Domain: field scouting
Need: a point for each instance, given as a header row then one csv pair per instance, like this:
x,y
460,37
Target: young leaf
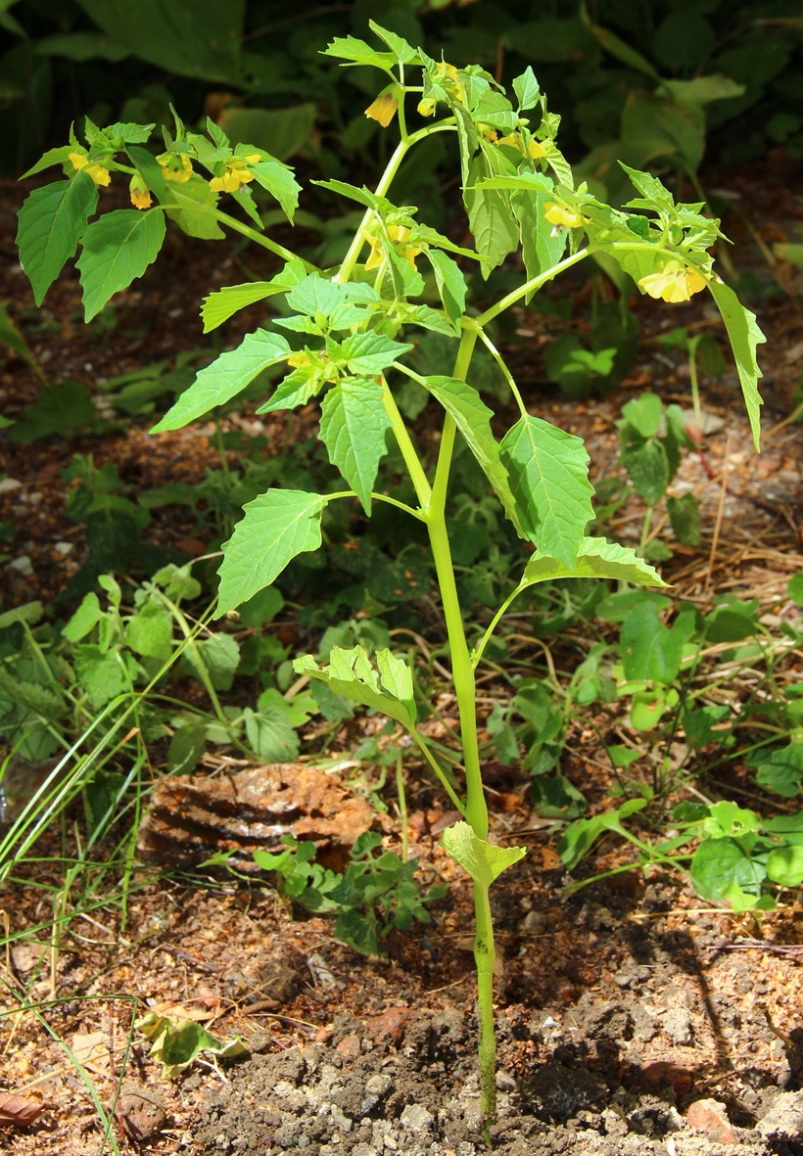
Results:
x,y
116,249
350,673
277,526
548,471
596,558
353,425
484,861
176,1043
744,335
526,88
51,222
371,352
224,378
717,864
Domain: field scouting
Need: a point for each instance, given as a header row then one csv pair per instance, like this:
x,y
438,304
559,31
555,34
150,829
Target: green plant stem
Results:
x,y
408,451
484,959
531,286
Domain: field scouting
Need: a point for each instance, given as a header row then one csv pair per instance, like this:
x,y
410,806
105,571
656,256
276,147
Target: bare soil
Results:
x,y
633,1017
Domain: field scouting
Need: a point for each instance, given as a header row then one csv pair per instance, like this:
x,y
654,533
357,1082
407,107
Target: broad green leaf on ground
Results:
x,y
651,650
548,471
484,861
492,224
116,249
386,687
224,378
596,558
271,733
451,285
648,469
175,1043
353,425
473,418
718,864
780,770
150,631
785,865
276,527
744,335
223,304
51,222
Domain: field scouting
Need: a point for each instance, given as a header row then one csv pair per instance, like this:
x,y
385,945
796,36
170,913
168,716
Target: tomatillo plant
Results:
x,y
350,333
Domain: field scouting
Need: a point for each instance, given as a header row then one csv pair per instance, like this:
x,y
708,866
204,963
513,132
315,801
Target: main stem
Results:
x,y
465,692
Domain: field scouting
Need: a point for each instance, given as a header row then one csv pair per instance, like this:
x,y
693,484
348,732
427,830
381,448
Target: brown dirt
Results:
x,y
633,1018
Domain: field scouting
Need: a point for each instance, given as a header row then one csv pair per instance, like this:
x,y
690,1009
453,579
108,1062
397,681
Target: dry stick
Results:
x,y
718,523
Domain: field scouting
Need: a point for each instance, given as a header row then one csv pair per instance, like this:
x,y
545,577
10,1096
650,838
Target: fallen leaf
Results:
x,y
18,1111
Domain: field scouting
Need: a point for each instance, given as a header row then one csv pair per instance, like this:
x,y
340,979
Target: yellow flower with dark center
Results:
x,y
398,234
383,109
561,215
236,175
99,173
176,167
674,283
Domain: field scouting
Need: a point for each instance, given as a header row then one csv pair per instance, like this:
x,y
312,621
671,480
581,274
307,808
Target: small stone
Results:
x,y
23,565
678,1025
416,1118
389,1026
711,1118
349,1047
784,1120
9,484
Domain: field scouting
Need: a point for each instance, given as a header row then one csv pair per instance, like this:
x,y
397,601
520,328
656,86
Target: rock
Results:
x,y
711,1117
784,1120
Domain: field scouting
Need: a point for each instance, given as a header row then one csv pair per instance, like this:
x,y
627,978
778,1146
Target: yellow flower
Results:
x,y
139,193
236,174
426,107
99,173
560,215
383,109
398,234
176,167
674,283
535,150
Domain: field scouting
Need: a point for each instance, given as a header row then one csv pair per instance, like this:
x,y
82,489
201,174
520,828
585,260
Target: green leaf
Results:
x,y
271,733
490,217
200,40
451,284
548,471
116,249
30,612
473,418
542,246
387,688
150,632
189,204
596,558
785,866
277,526
371,352
651,650
224,303
186,747
684,517
356,51
484,861
717,864
526,88
220,656
353,425
51,222
52,157
644,414
224,378
647,468
744,335
579,837
280,131
780,770
102,675
279,181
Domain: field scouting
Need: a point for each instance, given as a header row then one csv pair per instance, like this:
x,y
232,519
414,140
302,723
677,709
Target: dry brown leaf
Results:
x,y
17,1111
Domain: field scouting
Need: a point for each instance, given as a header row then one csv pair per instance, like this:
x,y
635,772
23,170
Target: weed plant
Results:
x,y
347,335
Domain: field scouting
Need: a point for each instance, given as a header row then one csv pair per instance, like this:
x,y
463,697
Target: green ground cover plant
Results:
x,y
347,336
